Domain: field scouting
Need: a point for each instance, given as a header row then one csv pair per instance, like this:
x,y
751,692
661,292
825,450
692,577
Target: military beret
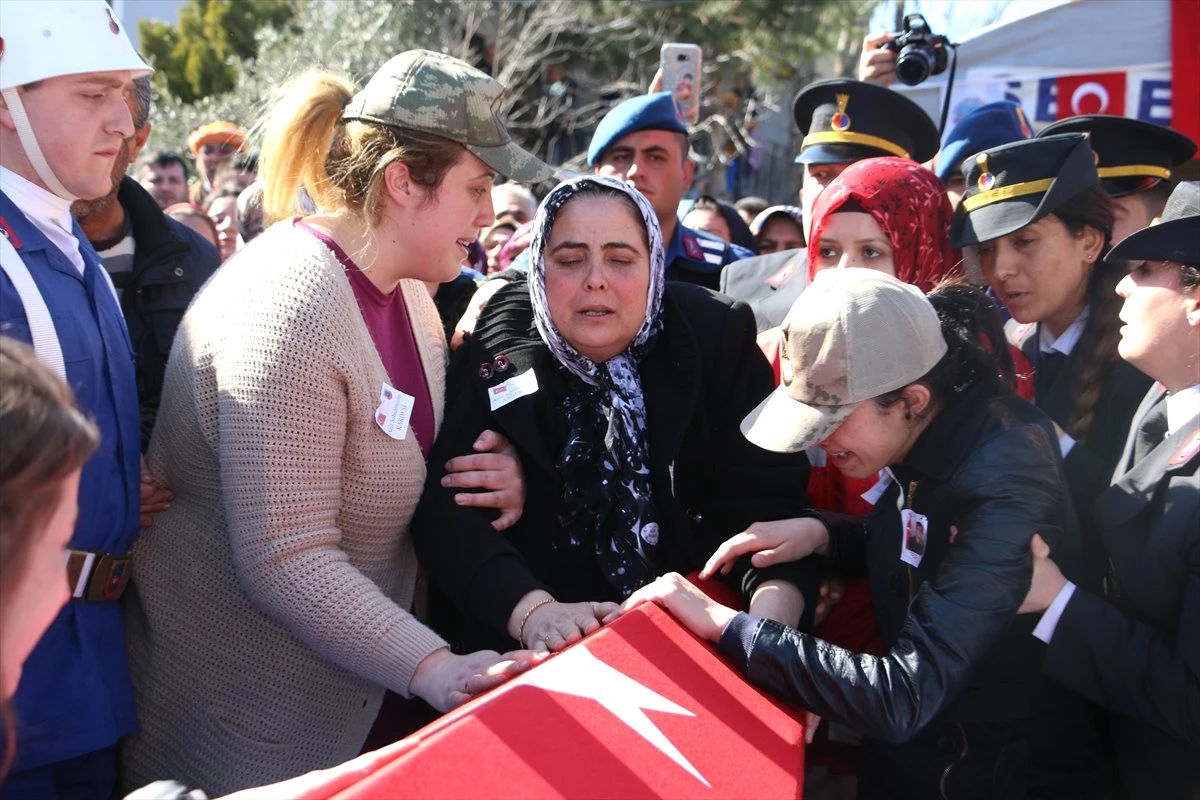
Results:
x,y
990,125
844,120
1131,155
1174,237
645,112
1014,185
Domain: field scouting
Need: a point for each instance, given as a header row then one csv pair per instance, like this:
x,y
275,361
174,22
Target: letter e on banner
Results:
x,y
1154,102
1095,93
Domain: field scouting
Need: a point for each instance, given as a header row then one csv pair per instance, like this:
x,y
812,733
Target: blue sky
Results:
x,y
957,18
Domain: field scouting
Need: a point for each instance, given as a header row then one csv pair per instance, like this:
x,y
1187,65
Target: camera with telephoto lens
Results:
x,y
921,52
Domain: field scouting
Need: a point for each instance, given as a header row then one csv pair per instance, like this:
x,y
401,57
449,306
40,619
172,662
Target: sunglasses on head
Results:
x,y
224,148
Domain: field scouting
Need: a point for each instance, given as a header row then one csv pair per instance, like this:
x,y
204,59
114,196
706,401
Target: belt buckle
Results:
x,y
109,578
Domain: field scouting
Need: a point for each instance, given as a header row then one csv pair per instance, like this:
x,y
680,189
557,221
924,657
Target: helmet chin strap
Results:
x,y
33,151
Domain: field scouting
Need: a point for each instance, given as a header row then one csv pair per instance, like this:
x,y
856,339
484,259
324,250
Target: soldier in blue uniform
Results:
x,y
65,71
644,141
842,121
990,125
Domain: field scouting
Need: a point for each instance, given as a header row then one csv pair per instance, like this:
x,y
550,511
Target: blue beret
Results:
x,y
988,126
644,112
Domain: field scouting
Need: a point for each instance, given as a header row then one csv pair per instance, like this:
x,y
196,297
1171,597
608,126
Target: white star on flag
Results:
x,y
577,672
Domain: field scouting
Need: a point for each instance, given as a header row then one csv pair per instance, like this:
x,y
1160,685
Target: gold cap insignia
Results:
x,y
841,120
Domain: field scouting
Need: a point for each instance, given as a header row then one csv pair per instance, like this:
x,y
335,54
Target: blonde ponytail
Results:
x,y
296,141
307,146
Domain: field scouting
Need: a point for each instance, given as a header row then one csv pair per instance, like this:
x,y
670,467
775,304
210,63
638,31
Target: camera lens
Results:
x,y
914,64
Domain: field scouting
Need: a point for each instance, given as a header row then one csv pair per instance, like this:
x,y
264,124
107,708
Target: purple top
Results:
x,y
387,319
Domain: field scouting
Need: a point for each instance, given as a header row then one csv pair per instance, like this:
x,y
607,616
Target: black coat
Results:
x,y
702,375
1138,650
958,704
1090,464
170,264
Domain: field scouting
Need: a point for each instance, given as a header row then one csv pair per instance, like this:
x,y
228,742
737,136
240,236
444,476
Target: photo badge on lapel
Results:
x,y
916,536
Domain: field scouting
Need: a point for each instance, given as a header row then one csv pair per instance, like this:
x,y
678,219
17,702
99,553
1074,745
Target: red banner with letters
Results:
x,y
1094,93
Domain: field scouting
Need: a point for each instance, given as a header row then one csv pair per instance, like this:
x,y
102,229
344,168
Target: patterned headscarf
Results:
x,y
910,205
607,497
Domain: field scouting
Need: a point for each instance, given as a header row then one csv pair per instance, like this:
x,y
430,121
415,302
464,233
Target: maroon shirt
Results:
x,y
387,319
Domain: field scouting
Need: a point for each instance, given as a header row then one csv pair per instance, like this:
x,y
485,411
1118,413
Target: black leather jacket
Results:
x,y
957,706
170,264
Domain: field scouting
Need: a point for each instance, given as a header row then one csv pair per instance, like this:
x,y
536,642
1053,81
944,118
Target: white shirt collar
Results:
x,y
47,211
34,201
1182,406
1065,343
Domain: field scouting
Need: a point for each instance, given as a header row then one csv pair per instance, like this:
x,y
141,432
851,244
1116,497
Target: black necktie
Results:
x,y
1049,366
1150,431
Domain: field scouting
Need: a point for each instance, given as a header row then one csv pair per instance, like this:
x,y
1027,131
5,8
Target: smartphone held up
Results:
x,y
681,75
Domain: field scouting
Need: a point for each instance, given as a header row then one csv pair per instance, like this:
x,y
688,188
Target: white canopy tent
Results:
x,y
1078,37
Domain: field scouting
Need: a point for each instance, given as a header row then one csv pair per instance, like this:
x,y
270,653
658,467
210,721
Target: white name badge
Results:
x,y
916,537
517,386
395,410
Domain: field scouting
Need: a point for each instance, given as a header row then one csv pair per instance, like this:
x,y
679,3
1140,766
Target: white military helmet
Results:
x,y
42,39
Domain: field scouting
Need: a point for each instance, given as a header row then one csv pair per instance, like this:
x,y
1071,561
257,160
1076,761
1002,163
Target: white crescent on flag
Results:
x,y
1090,89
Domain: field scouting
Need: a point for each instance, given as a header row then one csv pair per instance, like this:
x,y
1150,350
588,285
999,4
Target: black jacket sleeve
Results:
x,y
750,484
1008,489
1129,666
473,564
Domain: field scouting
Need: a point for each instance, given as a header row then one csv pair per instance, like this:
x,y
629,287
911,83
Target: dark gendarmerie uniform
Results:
x,y
1131,155
843,121
1008,188
1090,464
1136,650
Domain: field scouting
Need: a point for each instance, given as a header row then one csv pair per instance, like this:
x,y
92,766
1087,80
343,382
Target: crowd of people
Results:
x,y
937,425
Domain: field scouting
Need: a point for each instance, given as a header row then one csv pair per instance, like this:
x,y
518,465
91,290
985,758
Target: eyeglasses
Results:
x,y
224,148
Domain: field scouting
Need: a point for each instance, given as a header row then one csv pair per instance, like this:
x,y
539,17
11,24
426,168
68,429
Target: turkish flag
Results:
x,y
1097,93
641,708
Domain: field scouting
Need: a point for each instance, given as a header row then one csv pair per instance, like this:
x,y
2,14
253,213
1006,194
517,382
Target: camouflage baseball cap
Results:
x,y
852,335
440,95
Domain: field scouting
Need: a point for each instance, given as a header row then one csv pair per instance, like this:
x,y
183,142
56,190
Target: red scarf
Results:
x,y
910,205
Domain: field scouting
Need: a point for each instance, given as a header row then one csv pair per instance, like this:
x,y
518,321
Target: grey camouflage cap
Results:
x,y
437,94
852,335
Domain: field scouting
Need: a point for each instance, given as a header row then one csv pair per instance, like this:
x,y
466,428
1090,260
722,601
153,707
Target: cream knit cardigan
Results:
x,y
269,605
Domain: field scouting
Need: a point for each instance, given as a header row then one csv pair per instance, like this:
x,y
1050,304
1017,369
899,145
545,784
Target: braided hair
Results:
x,y
1097,347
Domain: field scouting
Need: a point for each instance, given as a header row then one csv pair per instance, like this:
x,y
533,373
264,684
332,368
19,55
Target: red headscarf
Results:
x,y
910,205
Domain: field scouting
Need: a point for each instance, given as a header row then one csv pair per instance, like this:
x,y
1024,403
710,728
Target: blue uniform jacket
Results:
x,y
698,257
75,695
